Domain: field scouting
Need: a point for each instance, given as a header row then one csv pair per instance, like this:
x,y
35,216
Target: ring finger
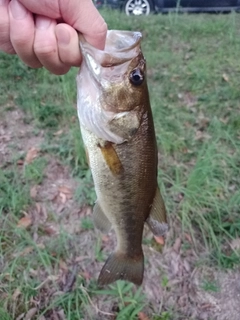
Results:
x,y
5,43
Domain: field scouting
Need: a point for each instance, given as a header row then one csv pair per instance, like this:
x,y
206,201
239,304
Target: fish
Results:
x,y
119,137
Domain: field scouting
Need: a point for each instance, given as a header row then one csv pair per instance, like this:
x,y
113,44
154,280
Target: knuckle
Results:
x,y
45,50
70,57
100,26
20,42
104,28
7,47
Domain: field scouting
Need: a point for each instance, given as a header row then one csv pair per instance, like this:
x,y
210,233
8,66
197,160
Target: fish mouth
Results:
x,y
120,47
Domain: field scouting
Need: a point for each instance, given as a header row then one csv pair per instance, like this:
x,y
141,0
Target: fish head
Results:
x,y
111,81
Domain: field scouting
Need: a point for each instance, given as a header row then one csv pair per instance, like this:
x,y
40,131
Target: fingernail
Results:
x,y
18,11
63,36
42,22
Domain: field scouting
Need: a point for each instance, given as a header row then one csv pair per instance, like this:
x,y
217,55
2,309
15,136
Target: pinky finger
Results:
x,y
46,47
5,43
68,45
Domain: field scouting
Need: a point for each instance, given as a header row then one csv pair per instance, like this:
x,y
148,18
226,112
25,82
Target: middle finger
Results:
x,y
45,45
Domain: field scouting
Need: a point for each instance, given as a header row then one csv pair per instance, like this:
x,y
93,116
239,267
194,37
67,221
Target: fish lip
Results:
x,y
121,46
136,36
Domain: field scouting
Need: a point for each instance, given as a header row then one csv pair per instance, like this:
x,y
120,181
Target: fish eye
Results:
x,y
136,77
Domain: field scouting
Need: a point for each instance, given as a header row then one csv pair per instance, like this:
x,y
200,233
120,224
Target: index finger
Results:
x,y
81,15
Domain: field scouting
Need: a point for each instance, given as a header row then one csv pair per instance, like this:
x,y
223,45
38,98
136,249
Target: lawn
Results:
x,y
50,254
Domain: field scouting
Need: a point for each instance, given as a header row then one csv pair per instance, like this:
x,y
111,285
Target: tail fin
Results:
x,y
120,266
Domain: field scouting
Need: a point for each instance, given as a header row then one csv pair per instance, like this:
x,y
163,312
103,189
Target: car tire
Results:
x,y
138,7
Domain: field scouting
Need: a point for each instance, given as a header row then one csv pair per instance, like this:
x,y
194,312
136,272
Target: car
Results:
x,y
144,7
99,3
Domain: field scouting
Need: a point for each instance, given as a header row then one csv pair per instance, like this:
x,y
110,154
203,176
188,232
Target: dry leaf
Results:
x,y
16,294
25,252
58,133
51,230
38,207
20,317
42,212
80,259
142,316
63,266
186,265
33,272
30,314
160,240
188,237
65,193
8,277
86,275
85,211
33,192
202,135
177,245
61,315
225,77
52,278
24,222
235,244
31,155
65,189
105,238
20,162
63,197
41,246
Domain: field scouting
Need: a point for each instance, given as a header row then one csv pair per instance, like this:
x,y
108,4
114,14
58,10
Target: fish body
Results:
x,y
118,133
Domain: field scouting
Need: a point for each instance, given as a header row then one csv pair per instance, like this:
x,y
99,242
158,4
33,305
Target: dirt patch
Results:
x,y
16,137
225,302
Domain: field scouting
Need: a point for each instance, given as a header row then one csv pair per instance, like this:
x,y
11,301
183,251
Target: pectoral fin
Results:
x,y
100,220
111,157
157,220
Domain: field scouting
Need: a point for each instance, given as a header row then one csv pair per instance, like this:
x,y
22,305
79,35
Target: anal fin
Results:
x,y
100,220
157,220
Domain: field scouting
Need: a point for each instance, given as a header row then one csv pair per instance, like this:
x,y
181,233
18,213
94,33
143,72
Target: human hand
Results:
x,y
43,33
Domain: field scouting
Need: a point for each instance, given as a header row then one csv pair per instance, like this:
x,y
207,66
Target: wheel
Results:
x,y
138,7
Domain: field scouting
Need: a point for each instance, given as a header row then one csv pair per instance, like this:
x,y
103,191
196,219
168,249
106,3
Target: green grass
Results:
x,y
193,79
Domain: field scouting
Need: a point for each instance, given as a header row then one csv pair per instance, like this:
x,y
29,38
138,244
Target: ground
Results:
x,y
171,280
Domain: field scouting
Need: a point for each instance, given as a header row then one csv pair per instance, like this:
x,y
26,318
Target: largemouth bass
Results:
x,y
118,133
